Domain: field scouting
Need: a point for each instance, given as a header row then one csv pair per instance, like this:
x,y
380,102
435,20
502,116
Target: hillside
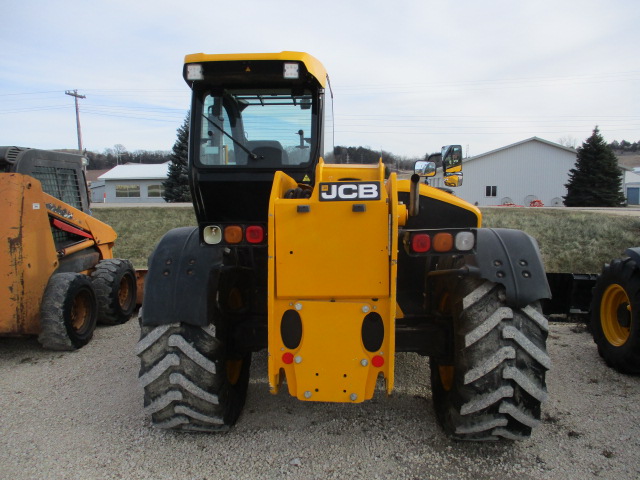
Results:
x,y
628,160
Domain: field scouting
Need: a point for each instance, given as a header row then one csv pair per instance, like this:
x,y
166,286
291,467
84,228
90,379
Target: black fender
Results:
x,y
511,258
182,281
634,254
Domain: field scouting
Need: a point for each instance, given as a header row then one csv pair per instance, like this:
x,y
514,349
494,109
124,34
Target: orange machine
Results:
x,y
58,276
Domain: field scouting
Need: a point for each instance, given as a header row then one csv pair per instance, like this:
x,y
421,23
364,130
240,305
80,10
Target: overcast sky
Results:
x,y
407,76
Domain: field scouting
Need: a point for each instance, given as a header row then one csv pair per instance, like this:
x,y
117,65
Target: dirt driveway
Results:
x,y
79,415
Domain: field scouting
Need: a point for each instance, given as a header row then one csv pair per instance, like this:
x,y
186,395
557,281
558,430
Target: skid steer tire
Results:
x,y
68,312
496,385
614,315
189,382
114,281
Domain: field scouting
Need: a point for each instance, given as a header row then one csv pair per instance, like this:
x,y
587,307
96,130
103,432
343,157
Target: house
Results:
x,y
526,171
632,186
133,183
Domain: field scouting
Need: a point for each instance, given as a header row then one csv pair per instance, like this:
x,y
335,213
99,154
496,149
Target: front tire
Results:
x,y
190,381
614,315
496,383
68,312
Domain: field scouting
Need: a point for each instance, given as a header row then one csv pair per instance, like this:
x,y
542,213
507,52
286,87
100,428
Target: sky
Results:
x,y
408,76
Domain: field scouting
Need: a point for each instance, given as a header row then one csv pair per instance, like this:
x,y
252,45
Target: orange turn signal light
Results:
x,y
233,234
443,242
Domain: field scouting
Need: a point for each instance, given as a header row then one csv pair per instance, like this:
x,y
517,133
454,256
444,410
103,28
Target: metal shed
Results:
x,y
135,183
521,173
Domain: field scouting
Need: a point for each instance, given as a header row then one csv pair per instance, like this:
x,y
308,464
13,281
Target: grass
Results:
x,y
570,241
140,229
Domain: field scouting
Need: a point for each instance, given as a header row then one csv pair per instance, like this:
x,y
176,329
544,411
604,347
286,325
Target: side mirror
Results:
x,y
425,169
452,158
453,179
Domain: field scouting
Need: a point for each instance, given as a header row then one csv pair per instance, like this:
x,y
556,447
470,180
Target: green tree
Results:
x,y
176,186
596,180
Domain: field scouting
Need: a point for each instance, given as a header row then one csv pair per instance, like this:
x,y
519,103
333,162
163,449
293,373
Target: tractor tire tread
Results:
x,y
499,380
181,372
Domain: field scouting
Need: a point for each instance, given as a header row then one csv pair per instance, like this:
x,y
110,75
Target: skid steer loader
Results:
x,y
58,276
332,268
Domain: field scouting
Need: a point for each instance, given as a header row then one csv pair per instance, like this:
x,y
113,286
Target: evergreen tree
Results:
x,y
176,186
596,180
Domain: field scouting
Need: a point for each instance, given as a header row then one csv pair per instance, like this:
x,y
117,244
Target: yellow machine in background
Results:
x,y
58,276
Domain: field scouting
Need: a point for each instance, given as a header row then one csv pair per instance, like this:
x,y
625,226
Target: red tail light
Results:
x,y
255,234
287,358
420,243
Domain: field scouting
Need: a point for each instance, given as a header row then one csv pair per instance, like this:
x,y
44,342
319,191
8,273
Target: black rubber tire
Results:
x,y
68,312
185,378
497,381
615,328
114,281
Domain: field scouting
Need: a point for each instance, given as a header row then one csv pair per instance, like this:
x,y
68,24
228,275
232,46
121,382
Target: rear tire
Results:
x,y
496,384
68,312
189,379
614,315
114,281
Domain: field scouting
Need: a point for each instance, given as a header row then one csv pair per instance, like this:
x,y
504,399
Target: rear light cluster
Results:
x,y
425,242
234,234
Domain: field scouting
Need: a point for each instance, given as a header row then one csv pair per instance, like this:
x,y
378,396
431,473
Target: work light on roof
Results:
x,y
291,70
195,71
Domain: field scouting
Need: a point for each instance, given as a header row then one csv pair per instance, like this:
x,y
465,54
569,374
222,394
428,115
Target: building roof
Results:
x,y
92,175
137,171
532,139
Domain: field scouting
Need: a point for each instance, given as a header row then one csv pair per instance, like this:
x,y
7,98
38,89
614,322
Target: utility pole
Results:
x,y
76,96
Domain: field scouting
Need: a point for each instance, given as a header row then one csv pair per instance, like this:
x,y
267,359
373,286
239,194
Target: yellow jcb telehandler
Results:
x,y
332,268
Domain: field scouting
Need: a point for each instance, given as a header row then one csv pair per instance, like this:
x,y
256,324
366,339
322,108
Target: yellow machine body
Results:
x,y
28,254
333,263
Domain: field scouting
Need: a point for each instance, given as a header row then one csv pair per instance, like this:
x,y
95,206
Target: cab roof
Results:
x,y
311,63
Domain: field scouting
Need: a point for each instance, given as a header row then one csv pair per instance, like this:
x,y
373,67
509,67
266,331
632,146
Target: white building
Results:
x,y
134,183
533,169
632,187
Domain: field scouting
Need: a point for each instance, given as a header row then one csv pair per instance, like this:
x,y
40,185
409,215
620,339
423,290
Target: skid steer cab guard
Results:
x,y
332,268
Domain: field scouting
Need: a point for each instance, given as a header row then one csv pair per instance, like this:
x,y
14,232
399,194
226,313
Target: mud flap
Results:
x,y
182,280
511,258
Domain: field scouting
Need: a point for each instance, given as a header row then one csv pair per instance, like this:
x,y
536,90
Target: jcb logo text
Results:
x,y
350,191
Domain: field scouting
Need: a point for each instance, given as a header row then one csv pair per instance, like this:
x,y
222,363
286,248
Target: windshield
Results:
x,y
257,128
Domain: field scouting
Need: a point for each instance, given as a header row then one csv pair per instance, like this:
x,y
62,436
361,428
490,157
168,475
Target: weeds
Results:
x,y
140,229
577,242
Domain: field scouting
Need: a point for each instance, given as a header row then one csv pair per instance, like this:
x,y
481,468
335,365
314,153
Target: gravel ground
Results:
x,y
78,415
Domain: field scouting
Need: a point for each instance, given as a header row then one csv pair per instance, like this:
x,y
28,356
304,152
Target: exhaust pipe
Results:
x,y
414,195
